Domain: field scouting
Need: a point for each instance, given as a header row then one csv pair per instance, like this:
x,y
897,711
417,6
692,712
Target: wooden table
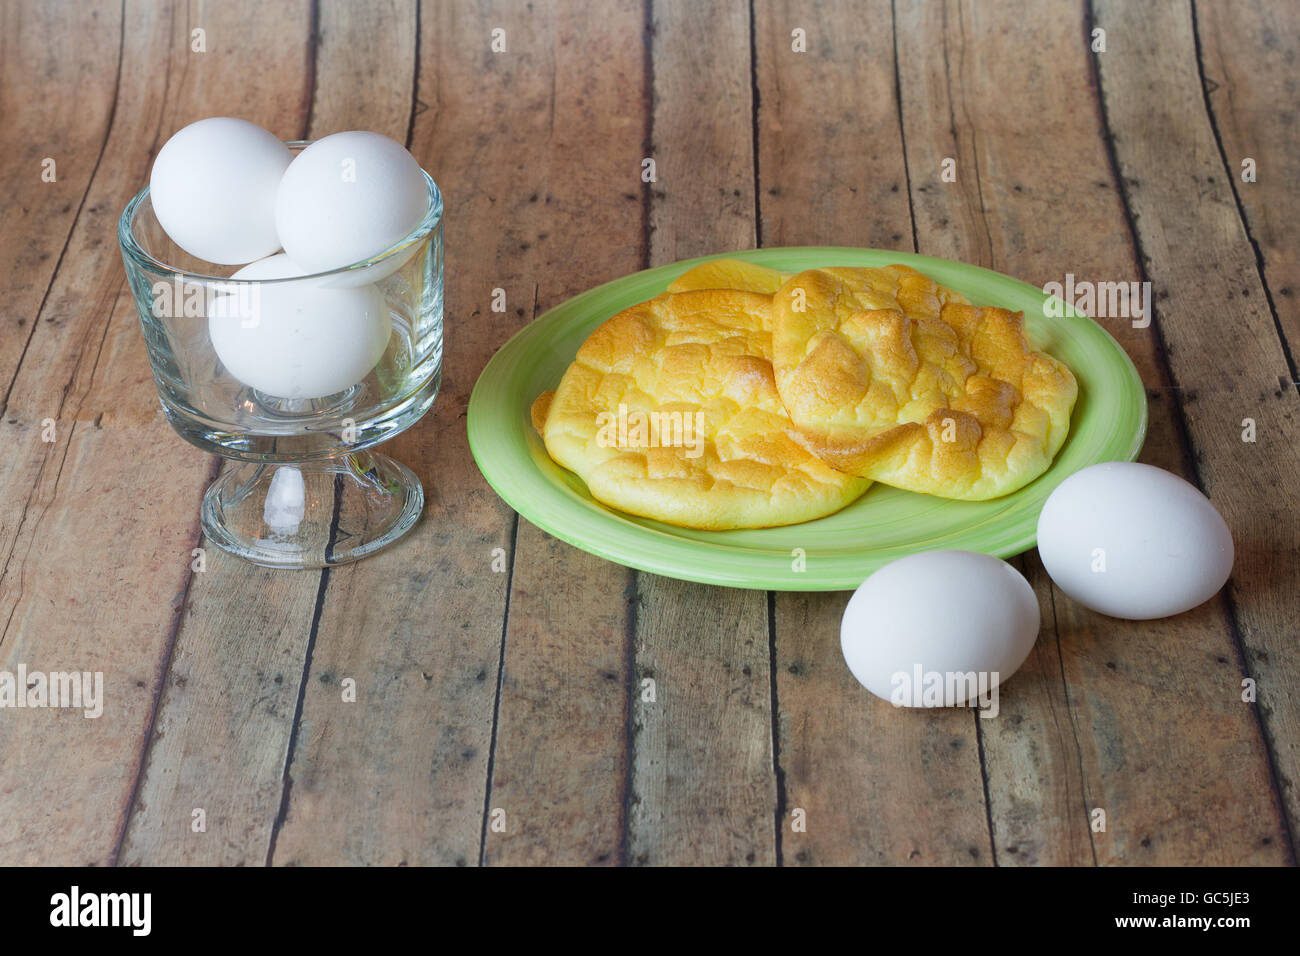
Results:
x,y
498,714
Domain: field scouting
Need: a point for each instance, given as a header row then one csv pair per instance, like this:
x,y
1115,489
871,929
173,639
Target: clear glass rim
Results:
x,y
131,249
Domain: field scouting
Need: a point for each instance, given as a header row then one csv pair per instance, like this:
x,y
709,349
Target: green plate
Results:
x,y
830,554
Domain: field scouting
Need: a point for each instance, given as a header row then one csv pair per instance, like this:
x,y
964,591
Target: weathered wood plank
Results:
x,y
88,370
366,64
226,705
224,719
58,79
551,207
1225,356
85,588
1031,172
703,787
874,785
1250,62
1014,162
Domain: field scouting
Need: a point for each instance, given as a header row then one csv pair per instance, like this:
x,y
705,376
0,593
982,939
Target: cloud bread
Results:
x,y
888,375
730,274
670,411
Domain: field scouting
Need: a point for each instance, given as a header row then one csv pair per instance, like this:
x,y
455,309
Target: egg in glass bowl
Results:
x,y
292,372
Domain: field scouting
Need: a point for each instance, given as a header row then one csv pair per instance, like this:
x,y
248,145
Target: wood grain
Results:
x,y
1200,263
1021,138
92,376
1249,59
1029,136
1250,67
75,71
365,68
224,720
566,216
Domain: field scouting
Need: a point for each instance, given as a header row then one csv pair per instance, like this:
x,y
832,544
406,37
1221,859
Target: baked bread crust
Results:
x,y
705,353
888,375
730,274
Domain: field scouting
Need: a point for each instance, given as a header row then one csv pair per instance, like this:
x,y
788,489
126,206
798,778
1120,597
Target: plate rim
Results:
x,y
810,581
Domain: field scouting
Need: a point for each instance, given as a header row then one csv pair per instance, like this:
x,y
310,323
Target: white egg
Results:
x,y
298,339
1133,541
348,197
939,628
213,189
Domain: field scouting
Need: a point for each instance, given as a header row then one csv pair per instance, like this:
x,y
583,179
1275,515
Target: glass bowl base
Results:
x,y
311,514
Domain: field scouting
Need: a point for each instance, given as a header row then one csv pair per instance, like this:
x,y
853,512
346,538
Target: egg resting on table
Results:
x,y
1133,541
960,616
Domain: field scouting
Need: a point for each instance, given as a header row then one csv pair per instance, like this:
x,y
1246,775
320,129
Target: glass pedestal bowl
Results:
x,y
277,377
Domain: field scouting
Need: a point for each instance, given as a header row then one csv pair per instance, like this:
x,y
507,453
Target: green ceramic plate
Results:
x,y
829,554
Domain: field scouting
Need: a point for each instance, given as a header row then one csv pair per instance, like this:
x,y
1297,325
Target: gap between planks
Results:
x,y
1184,435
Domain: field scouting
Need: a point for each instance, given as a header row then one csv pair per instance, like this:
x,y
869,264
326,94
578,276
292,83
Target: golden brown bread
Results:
x,y
729,274
540,408
670,411
888,375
